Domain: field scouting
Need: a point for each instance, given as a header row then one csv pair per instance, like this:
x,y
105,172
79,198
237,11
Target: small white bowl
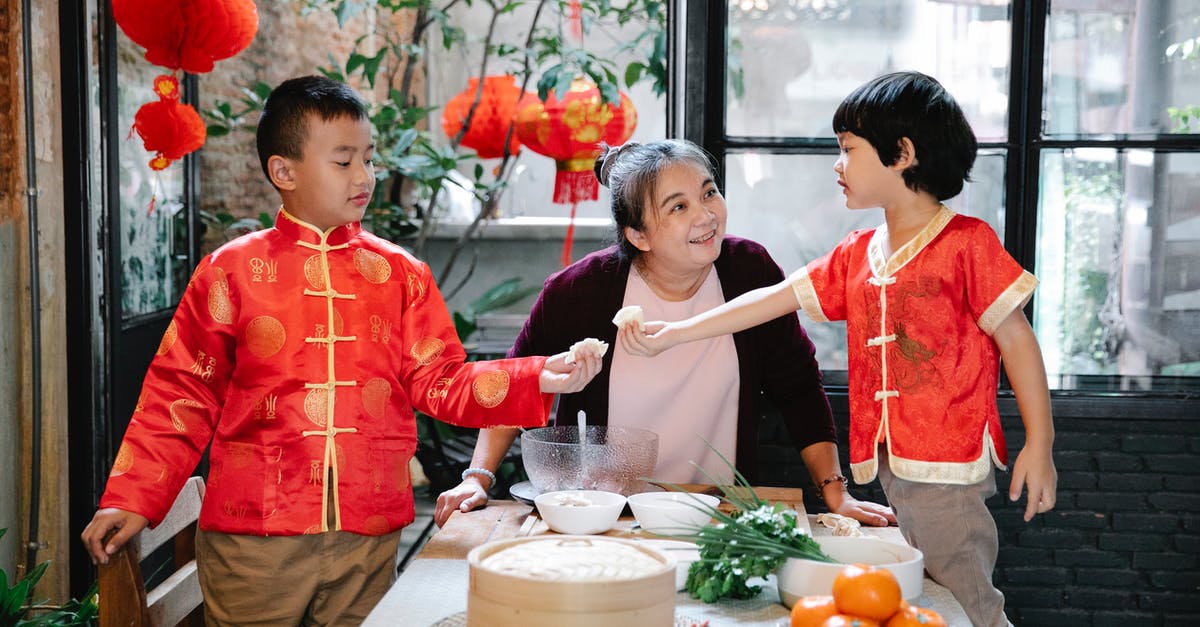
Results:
x,y
668,513
580,512
801,577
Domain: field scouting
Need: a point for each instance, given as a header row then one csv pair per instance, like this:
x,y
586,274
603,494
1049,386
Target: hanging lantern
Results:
x,y
491,119
168,128
570,131
188,36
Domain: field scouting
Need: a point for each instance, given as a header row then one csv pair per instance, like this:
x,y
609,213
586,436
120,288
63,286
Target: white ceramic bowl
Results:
x,y
580,512
800,577
668,513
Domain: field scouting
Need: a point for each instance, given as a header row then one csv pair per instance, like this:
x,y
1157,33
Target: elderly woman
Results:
x,y
674,259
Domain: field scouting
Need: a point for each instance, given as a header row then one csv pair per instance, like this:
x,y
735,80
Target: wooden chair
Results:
x,y
123,598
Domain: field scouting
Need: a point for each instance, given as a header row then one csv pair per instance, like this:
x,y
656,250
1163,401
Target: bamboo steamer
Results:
x,y
499,597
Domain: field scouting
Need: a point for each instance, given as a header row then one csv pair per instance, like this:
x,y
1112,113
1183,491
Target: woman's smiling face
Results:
x,y
684,221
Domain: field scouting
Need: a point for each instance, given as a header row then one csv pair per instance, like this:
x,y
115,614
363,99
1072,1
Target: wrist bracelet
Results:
x,y
828,480
484,472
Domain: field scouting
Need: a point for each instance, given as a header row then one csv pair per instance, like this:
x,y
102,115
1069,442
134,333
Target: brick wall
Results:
x,y
1122,545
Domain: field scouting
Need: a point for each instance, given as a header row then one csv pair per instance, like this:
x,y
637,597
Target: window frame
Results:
x,y
704,51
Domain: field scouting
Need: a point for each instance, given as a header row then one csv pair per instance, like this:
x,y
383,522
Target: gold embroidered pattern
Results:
x,y
490,388
168,339
203,366
258,267
376,525
265,336
314,271
375,396
381,330
427,350
123,462
239,454
185,411
416,290
372,266
316,405
220,306
266,403
440,388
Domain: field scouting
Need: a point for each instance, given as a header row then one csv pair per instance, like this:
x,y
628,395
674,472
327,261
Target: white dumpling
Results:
x,y
632,313
589,344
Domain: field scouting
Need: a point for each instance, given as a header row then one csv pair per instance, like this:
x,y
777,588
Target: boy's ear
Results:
x,y
637,238
281,172
907,155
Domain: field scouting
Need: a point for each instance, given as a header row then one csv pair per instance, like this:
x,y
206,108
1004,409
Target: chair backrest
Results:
x,y
123,597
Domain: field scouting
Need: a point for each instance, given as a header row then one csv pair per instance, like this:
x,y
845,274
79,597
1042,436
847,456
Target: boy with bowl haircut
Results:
x,y
298,353
933,307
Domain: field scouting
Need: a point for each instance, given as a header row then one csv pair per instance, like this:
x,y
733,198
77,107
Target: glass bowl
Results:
x,y
612,459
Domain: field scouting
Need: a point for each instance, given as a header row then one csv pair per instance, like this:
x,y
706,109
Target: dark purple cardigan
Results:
x,y
776,358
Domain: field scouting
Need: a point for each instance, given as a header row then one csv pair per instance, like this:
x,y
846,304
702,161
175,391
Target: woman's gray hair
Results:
x,y
630,171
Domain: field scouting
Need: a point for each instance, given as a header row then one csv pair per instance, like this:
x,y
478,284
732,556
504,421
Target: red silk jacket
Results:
x,y
923,366
300,355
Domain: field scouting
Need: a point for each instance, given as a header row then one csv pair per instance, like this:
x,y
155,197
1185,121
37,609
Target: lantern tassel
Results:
x,y
153,194
566,252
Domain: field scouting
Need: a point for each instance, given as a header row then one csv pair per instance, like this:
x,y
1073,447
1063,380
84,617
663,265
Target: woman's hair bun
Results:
x,y
607,159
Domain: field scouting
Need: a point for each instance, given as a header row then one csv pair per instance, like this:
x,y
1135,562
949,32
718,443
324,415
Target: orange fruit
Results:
x,y
846,620
867,591
913,616
812,611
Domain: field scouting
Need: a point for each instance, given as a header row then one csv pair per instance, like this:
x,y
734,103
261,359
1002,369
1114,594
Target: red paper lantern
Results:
x,y
188,35
491,119
570,131
168,128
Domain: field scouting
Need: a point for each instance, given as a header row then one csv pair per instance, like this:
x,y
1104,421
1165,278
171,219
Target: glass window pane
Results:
x,y
792,205
1125,68
153,242
791,62
1119,262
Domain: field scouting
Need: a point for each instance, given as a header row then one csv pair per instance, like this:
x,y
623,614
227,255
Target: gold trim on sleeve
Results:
x,y
806,295
1011,299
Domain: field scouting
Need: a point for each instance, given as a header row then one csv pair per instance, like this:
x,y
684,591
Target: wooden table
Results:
x,y
433,589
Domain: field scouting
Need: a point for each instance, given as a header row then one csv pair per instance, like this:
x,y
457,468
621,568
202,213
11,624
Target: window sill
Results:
x,y
528,228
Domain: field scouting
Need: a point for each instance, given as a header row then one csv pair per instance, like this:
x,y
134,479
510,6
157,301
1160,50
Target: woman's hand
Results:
x,y
560,377
865,512
464,497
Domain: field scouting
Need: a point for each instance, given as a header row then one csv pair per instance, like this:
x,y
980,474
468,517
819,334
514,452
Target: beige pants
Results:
x,y
332,578
952,526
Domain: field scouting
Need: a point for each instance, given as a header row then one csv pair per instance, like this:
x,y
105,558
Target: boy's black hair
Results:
x,y
916,106
283,126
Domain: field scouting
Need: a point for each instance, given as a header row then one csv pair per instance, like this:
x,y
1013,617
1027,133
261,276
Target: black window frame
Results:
x,y
704,52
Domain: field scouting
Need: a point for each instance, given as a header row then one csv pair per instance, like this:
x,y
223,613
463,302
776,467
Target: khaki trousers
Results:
x,y
332,578
952,526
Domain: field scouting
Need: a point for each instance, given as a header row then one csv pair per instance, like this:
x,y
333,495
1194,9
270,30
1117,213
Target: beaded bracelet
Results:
x,y
485,473
828,480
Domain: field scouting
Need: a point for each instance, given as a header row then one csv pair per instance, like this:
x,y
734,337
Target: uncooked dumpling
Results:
x,y
632,313
591,344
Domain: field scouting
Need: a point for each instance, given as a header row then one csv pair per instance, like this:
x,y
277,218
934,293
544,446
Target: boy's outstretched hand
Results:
x,y
648,340
124,524
560,377
1034,471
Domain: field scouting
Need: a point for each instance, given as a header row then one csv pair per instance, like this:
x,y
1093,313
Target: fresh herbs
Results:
x,y
752,541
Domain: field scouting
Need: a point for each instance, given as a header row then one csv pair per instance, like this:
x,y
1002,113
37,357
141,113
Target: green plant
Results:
x,y
17,605
752,541
416,167
502,294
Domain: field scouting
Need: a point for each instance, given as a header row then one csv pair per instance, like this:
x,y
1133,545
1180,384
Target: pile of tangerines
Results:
x,y
863,596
